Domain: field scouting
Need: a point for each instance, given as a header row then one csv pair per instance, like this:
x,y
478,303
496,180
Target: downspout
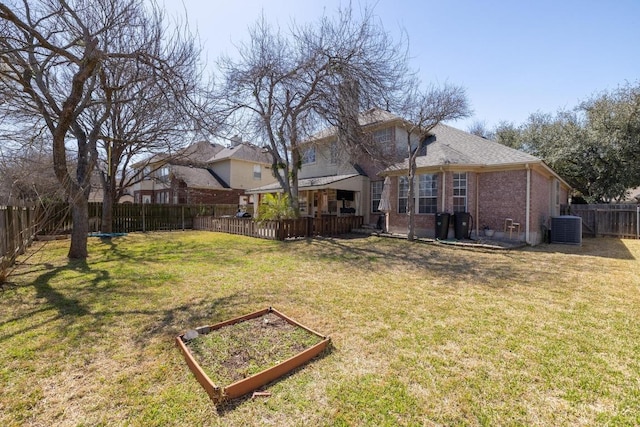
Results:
x,y
477,220
444,189
528,207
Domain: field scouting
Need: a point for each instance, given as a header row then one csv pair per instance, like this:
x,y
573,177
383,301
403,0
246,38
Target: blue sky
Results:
x,y
512,57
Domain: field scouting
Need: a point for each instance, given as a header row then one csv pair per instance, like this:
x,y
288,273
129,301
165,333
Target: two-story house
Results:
x,y
495,186
203,173
331,182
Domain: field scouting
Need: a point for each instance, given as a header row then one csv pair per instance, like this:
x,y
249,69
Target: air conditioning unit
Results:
x,y
566,229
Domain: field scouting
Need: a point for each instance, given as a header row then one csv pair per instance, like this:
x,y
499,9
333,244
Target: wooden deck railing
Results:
x,y
280,230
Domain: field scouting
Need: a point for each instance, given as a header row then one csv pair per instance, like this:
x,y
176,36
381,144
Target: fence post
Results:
x,y
143,219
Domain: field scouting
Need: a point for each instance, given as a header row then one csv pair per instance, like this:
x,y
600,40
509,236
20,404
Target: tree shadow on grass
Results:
x,y
72,304
401,254
475,266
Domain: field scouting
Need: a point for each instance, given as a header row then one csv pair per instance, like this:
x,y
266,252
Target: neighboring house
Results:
x,y
203,173
96,193
633,196
459,172
242,166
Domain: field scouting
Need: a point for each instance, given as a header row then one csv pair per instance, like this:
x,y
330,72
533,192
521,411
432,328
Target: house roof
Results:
x,y
454,146
195,153
370,117
198,152
305,183
196,177
451,146
242,151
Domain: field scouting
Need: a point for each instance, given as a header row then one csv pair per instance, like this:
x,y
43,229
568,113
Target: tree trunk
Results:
x,y
107,212
80,216
293,188
108,199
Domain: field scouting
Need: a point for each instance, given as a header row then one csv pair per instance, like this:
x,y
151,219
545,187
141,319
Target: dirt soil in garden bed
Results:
x,y
237,351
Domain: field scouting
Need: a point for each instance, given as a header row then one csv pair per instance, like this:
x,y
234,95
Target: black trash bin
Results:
x,y
442,225
462,225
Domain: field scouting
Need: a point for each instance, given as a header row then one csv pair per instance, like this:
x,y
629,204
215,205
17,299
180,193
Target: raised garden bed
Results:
x,y
248,352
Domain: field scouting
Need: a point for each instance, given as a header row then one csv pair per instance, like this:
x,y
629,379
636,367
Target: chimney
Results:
x,y
235,141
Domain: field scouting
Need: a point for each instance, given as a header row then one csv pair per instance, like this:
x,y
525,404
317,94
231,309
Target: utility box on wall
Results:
x,y
566,229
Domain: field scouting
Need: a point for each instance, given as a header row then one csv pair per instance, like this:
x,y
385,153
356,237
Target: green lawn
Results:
x,y
422,334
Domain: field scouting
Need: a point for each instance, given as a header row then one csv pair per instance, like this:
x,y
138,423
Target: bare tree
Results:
x,y
57,57
423,110
287,87
27,177
479,128
152,106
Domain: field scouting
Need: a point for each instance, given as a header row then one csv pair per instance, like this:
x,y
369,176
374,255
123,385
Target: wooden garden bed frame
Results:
x,y
239,388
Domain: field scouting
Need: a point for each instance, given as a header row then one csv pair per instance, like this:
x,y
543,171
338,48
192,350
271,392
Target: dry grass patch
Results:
x,y
422,334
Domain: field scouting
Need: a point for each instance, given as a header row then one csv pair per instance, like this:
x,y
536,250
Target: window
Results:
x,y
333,153
257,172
309,156
163,173
460,192
302,203
162,197
403,193
427,193
383,136
376,195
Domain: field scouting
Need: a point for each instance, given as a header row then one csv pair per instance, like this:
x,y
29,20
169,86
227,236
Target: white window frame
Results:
x,y
309,156
460,185
403,194
257,172
376,195
427,190
333,153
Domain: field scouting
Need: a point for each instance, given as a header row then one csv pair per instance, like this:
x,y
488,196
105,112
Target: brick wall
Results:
x,y
540,205
194,196
501,195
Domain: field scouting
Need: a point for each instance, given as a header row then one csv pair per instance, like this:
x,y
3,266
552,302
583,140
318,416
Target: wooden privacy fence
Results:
x,y
605,220
128,218
280,230
17,230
